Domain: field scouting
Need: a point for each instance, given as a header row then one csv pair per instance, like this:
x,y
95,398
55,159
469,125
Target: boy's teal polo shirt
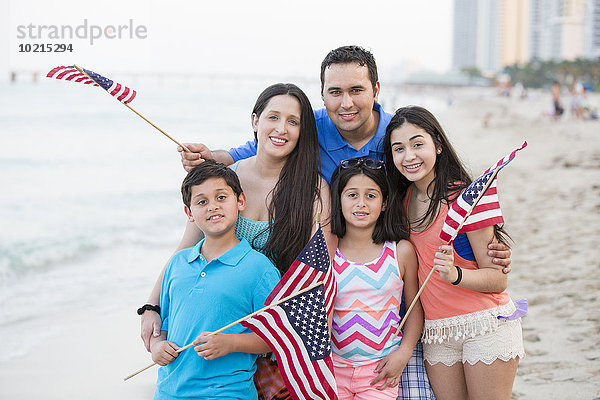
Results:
x,y
197,296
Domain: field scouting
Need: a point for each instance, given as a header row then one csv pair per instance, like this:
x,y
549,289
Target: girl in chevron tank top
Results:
x,y
374,265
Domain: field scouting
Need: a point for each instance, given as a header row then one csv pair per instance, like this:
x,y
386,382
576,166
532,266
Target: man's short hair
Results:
x,y
347,55
209,169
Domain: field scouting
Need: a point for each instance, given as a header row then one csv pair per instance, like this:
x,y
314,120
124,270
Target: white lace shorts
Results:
x,y
503,343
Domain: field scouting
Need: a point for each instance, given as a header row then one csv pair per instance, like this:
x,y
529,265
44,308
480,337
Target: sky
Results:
x,y
234,37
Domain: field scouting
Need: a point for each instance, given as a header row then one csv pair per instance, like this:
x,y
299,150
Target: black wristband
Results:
x,y
459,270
150,307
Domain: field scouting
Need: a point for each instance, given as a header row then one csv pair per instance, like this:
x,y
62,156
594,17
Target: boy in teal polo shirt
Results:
x,y
206,287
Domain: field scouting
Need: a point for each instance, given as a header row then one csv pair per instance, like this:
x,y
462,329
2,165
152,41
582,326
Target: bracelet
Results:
x,y
146,307
459,270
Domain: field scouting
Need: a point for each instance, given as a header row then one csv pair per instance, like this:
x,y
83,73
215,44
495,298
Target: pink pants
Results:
x,y
353,383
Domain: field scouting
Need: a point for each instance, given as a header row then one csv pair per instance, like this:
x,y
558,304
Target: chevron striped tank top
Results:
x,y
366,307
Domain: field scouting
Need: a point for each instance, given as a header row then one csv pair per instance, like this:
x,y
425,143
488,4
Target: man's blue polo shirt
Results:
x,y
332,145
197,296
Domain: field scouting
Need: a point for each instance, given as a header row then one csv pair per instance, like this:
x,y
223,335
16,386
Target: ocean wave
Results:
x,y
42,251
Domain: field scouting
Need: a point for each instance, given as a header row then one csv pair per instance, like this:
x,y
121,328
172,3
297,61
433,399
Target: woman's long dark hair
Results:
x,y
450,176
392,223
294,195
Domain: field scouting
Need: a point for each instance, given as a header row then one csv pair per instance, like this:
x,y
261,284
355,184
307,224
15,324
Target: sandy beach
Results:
x,y
550,196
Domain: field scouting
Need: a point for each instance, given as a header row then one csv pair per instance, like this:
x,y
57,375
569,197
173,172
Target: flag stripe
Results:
x,y
68,72
124,95
115,90
484,224
53,71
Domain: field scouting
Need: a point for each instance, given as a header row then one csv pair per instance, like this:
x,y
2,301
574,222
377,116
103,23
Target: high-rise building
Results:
x,y
592,29
557,29
488,36
476,39
465,34
514,32
573,24
491,34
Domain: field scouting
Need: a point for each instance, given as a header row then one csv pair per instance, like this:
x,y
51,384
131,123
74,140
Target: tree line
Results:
x,y
542,74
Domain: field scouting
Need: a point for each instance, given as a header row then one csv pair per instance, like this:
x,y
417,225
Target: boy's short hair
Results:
x,y
209,169
347,55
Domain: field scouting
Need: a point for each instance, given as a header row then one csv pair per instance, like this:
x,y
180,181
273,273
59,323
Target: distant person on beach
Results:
x,y
351,125
469,352
205,287
375,267
558,108
284,192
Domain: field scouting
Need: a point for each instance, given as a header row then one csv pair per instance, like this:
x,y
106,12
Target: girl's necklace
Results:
x,y
416,196
417,212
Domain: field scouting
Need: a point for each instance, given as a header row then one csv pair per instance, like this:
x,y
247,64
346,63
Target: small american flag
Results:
x,y
70,73
296,330
486,211
311,266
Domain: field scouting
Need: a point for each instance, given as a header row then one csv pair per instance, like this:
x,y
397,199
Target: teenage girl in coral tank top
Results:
x,y
469,352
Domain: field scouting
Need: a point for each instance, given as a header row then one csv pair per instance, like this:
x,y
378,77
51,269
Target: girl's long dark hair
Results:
x,y
294,195
392,224
450,179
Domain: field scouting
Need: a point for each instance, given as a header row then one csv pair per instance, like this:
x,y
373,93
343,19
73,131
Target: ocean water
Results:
x,y
90,208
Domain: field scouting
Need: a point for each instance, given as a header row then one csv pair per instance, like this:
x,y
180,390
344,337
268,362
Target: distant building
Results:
x,y
557,29
465,34
592,29
488,36
514,32
492,34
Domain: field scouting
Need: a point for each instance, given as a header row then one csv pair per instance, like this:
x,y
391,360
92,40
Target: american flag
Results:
x,y
70,73
486,211
311,266
297,332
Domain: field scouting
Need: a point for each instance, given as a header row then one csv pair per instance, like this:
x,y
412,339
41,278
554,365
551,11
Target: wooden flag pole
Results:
x,y
485,188
144,118
234,323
